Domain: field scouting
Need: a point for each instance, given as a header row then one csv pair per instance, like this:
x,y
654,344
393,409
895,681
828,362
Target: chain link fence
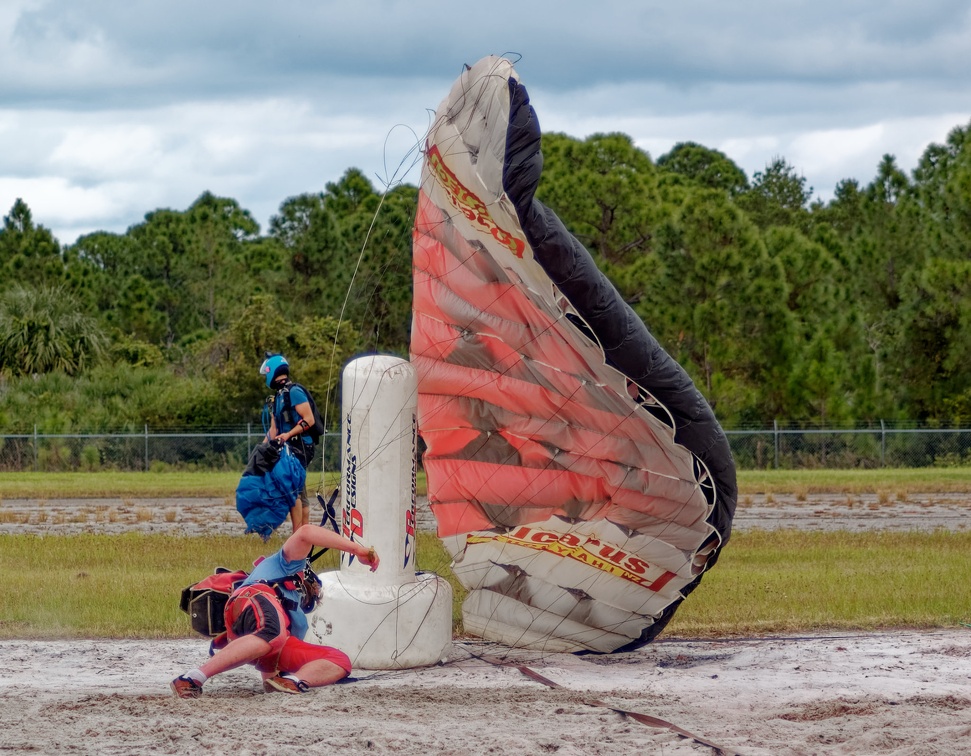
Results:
x,y
228,449
828,448
224,449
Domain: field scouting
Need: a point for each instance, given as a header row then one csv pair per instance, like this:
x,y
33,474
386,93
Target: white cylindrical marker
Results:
x,y
392,618
379,467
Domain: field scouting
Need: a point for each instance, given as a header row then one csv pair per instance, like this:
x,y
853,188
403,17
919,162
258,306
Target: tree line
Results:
x,y
838,313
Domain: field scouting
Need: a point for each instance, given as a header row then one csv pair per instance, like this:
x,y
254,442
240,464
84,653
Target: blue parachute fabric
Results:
x,y
268,489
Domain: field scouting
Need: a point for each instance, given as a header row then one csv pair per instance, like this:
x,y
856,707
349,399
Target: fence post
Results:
x,y
249,442
35,447
883,444
146,447
775,434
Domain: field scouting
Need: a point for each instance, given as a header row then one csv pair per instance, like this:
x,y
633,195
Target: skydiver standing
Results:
x,y
291,420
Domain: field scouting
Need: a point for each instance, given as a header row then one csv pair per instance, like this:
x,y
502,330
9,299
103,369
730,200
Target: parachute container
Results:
x,y
579,479
395,617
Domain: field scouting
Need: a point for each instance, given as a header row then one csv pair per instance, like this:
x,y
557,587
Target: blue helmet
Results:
x,y
273,367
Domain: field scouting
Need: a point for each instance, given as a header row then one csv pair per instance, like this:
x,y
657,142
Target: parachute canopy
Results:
x,y
580,480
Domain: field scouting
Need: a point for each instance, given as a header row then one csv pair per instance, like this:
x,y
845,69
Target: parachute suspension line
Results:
x,y
347,296
388,183
414,151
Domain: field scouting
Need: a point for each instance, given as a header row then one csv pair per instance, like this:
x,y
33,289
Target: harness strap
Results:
x,y
243,598
287,413
289,416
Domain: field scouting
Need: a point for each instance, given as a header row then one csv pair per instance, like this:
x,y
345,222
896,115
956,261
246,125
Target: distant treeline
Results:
x,y
780,307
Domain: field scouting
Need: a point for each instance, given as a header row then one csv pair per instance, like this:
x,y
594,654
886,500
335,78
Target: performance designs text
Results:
x,y
470,205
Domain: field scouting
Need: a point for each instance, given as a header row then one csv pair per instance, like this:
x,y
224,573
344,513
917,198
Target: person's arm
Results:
x,y
299,545
271,433
305,423
296,514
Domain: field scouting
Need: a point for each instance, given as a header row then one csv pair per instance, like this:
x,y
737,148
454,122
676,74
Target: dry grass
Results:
x,y
898,482
14,517
904,480
138,485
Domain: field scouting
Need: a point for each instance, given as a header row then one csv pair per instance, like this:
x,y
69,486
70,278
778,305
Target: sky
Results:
x,y
110,110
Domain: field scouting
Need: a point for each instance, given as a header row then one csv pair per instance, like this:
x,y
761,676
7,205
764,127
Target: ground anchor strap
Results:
x,y
645,719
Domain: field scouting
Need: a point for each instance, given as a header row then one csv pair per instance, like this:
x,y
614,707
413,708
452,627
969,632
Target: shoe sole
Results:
x,y
184,694
270,685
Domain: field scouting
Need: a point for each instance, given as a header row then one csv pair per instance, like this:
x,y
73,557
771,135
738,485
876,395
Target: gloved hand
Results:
x,y
278,442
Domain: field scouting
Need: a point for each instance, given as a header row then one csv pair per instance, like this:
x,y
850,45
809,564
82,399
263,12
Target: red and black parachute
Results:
x,y
580,480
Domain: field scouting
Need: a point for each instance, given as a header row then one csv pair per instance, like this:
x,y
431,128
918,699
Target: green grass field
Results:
x,y
128,586
31,485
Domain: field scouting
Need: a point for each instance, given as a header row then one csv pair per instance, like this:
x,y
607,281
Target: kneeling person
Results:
x,y
266,621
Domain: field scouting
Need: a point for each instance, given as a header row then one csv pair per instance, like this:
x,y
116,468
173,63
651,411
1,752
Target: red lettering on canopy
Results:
x,y
467,203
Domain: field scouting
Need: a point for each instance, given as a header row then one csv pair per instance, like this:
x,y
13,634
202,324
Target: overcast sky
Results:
x,y
109,110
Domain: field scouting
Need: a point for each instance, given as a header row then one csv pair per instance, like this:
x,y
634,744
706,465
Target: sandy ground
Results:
x,y
901,693
905,692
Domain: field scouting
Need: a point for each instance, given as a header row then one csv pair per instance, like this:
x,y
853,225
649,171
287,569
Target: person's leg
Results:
x,y
310,664
236,653
240,651
257,634
321,672
305,453
296,514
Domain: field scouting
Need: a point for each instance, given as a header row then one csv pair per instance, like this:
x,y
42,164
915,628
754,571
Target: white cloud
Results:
x,y
105,150
106,169
826,134
56,198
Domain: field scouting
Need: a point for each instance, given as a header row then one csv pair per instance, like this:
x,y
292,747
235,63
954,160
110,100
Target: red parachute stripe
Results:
x,y
528,400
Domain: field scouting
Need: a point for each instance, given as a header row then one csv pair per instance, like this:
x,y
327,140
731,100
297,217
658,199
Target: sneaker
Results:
x,y
284,684
185,687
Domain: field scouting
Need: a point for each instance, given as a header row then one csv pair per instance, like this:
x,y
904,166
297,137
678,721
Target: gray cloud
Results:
x,y
118,108
257,47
